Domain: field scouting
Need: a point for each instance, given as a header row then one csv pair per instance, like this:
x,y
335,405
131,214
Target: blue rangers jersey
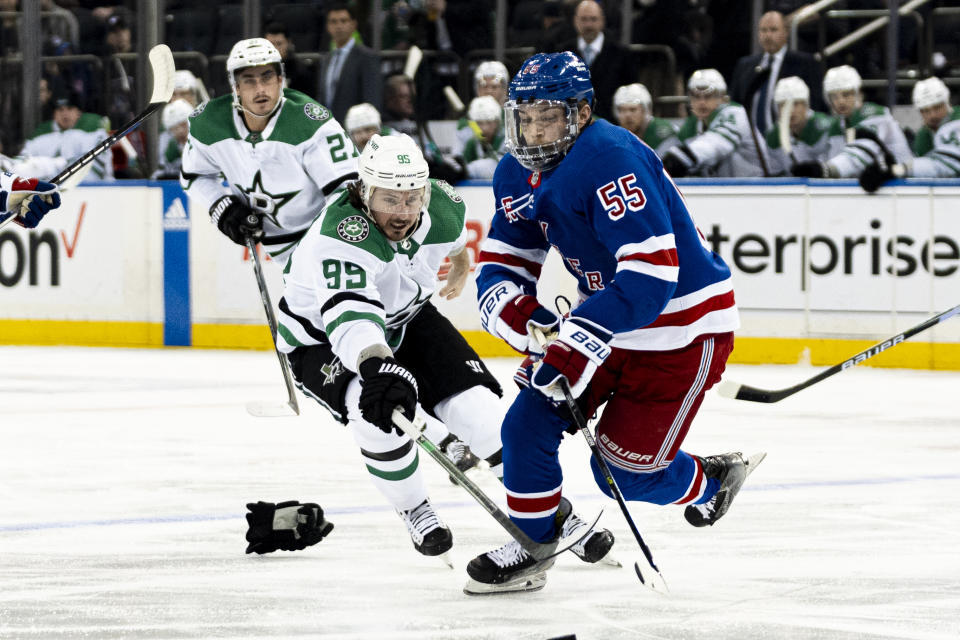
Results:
x,y
644,271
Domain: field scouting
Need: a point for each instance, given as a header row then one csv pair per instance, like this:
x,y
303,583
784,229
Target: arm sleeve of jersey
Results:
x,y
641,238
721,139
199,175
895,140
351,309
330,159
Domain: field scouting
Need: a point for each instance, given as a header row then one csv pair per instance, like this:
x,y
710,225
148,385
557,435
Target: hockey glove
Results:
x,y
575,355
520,317
31,199
679,161
236,220
873,177
288,526
809,170
386,386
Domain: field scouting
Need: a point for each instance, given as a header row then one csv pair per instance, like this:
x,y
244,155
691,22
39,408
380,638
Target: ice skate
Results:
x,y
506,569
591,547
459,454
731,469
430,536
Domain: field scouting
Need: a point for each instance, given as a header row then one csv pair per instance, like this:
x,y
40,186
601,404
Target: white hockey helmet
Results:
x,y
360,116
634,93
176,112
707,81
791,89
393,162
184,79
252,52
485,108
930,92
491,69
842,78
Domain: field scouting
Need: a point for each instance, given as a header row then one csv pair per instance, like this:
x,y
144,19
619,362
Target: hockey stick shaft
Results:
x,y
272,320
162,67
730,389
536,549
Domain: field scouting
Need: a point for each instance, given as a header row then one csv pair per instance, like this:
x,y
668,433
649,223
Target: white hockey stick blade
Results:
x,y
414,57
650,577
271,410
728,388
164,70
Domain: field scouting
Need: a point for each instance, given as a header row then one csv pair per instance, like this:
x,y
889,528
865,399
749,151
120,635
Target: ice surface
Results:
x,y
124,475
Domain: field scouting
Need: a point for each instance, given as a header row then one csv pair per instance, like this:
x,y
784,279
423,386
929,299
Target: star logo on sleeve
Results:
x,y
262,201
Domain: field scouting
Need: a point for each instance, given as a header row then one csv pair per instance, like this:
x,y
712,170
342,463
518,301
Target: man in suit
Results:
x,y
351,72
609,62
755,77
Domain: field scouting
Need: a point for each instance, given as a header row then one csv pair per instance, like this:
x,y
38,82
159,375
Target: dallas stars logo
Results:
x,y
262,201
331,371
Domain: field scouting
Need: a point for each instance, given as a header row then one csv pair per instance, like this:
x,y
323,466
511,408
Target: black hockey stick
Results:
x,y
731,389
539,550
162,67
650,575
263,409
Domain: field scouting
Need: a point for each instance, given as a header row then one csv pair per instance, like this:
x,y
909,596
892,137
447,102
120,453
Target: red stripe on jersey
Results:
x,y
520,504
694,313
511,261
663,258
698,480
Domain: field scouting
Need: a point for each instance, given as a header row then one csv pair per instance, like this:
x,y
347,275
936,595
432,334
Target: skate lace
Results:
x,y
509,554
574,526
421,520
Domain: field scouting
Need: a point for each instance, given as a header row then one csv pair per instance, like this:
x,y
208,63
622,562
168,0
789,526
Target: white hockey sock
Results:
x,y
474,416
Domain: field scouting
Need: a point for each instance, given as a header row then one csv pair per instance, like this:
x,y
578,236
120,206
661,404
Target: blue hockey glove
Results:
x,y
32,199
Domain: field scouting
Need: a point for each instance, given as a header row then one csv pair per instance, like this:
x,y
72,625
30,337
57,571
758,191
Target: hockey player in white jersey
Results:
x,y
872,135
363,337
937,143
717,140
800,133
69,135
282,153
633,107
362,122
490,79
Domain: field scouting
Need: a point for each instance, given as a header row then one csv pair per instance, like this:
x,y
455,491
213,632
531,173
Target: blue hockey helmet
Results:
x,y
538,134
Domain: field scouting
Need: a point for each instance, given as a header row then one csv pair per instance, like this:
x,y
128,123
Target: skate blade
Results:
x,y
610,561
536,582
445,559
752,462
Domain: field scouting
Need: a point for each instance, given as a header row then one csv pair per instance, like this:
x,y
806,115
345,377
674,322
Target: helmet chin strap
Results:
x,y
239,107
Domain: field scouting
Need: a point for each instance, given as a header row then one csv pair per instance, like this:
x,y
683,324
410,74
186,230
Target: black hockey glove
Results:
x,y
386,386
679,161
873,177
289,526
236,220
808,170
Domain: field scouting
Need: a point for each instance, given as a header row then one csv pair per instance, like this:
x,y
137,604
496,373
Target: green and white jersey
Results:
x,y
49,140
349,286
299,160
879,120
660,135
724,146
941,150
169,153
820,139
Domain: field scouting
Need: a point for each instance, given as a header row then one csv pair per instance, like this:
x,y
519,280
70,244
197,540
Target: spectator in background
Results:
x,y
71,134
9,30
717,140
484,150
350,73
634,110
362,123
557,24
800,133
399,98
755,77
172,140
121,89
297,76
609,62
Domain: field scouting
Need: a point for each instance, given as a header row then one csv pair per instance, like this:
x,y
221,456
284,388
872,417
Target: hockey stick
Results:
x,y
162,67
650,575
540,551
731,389
264,409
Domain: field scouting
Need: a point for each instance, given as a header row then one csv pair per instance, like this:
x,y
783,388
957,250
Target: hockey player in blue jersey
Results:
x,y
651,332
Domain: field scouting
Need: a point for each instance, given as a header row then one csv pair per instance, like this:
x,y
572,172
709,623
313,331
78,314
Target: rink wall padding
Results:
x,y
821,270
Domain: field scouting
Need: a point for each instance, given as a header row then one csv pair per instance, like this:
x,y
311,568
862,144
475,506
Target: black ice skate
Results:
x,y
591,547
459,454
731,469
430,536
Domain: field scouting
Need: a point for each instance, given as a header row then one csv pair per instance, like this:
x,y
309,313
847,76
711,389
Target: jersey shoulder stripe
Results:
x,y
212,121
348,225
447,213
299,119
